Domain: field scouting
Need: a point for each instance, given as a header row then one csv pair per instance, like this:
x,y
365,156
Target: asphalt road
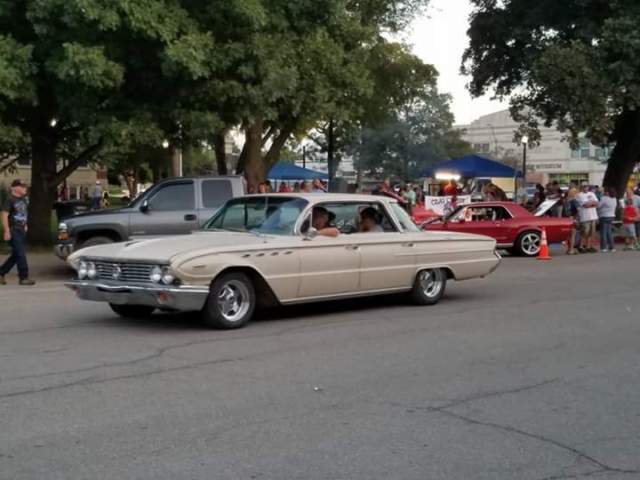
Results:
x,y
533,373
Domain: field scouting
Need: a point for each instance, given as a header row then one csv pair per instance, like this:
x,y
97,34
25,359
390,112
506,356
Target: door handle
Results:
x,y
190,217
352,247
410,244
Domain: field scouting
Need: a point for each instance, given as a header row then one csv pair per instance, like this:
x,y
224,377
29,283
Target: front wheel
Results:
x,y
132,311
231,302
528,244
429,286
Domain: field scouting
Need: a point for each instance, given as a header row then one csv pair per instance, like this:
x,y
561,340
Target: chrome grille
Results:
x,y
124,272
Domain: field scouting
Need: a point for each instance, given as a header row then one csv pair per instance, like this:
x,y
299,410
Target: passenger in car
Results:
x,y
370,221
322,219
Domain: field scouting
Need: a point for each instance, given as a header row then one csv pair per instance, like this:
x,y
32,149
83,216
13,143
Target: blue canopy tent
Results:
x,y
472,166
288,171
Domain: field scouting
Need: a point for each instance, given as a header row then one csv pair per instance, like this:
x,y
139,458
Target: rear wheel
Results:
x,y
231,301
429,286
528,244
132,311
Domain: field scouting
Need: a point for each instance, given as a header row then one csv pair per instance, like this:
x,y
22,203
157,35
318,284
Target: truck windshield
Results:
x,y
266,215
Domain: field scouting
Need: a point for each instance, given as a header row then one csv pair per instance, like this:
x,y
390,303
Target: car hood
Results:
x,y
162,250
94,216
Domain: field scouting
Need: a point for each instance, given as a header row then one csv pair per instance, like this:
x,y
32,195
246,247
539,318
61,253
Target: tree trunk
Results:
x,y
273,155
626,153
176,162
332,164
43,193
221,153
131,179
254,166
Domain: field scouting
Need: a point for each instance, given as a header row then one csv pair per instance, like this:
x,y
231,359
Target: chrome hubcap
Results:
x,y
431,282
531,243
233,300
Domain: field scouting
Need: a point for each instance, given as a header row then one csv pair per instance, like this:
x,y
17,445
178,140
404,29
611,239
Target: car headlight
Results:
x,y
156,275
92,271
82,270
168,277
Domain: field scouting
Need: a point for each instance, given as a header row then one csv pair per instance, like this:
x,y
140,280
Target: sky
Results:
x,y
440,38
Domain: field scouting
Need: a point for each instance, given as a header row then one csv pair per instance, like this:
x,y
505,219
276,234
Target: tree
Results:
x,y
79,76
308,63
574,63
420,135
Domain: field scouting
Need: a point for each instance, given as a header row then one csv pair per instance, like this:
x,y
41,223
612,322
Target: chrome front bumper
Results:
x,y
182,298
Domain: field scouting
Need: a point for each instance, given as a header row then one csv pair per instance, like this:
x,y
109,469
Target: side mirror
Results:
x,y
144,208
311,234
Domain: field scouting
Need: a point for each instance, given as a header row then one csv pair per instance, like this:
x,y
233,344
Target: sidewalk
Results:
x,y
42,266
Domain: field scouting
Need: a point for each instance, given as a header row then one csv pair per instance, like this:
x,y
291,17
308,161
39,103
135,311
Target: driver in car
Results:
x,y
370,221
322,219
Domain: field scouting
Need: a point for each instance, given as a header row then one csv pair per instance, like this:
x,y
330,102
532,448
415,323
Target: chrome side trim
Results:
x,y
341,296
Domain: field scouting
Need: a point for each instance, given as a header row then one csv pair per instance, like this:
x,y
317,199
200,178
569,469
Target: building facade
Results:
x,y
83,177
493,136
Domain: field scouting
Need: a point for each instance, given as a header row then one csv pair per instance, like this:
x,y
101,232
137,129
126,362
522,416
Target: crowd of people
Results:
x,y
594,211
307,186
98,198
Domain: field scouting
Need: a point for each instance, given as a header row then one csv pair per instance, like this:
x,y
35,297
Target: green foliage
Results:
x,y
574,62
421,134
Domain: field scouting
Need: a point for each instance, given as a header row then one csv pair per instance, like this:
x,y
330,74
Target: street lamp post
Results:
x,y
525,143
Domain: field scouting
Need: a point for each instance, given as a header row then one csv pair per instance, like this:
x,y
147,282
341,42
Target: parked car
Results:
x,y
513,227
261,250
174,206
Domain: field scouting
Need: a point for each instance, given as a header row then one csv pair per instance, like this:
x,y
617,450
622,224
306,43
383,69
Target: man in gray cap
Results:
x,y
14,225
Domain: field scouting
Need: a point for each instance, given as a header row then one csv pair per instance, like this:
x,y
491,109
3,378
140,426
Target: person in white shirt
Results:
x,y
607,213
588,218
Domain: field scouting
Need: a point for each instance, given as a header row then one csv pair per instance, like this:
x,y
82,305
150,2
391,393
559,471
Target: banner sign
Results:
x,y
442,204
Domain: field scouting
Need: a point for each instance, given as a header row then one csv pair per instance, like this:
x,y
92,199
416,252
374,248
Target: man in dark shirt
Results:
x,y
14,224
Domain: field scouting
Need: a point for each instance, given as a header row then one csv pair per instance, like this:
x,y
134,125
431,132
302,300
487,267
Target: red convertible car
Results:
x,y
514,228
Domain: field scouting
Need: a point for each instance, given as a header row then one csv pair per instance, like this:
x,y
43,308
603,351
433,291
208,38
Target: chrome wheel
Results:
x,y
431,282
530,244
233,300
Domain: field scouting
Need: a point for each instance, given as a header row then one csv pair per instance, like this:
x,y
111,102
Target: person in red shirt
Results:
x,y
451,188
629,219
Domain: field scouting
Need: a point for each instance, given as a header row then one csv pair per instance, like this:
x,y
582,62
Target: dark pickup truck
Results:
x,y
171,207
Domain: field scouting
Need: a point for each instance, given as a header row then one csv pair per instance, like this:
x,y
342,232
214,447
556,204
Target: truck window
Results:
x,y
175,197
215,193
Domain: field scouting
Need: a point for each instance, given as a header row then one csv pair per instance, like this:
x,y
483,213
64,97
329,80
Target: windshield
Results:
x,y
403,217
267,215
455,216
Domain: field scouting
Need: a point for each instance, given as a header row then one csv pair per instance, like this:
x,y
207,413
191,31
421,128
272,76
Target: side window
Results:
x,y
215,193
502,213
175,197
347,216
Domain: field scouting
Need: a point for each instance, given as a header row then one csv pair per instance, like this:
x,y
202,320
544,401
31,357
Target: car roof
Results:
x,y
328,197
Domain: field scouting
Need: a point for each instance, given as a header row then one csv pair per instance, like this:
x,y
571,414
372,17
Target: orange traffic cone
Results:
x,y
544,253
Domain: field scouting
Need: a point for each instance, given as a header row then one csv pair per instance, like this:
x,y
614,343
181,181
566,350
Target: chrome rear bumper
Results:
x,y
182,298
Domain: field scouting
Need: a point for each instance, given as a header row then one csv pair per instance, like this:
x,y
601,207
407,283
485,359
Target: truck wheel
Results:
x,y
93,241
429,286
132,311
231,302
528,244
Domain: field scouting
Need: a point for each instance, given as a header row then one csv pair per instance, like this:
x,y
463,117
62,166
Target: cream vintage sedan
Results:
x,y
262,250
